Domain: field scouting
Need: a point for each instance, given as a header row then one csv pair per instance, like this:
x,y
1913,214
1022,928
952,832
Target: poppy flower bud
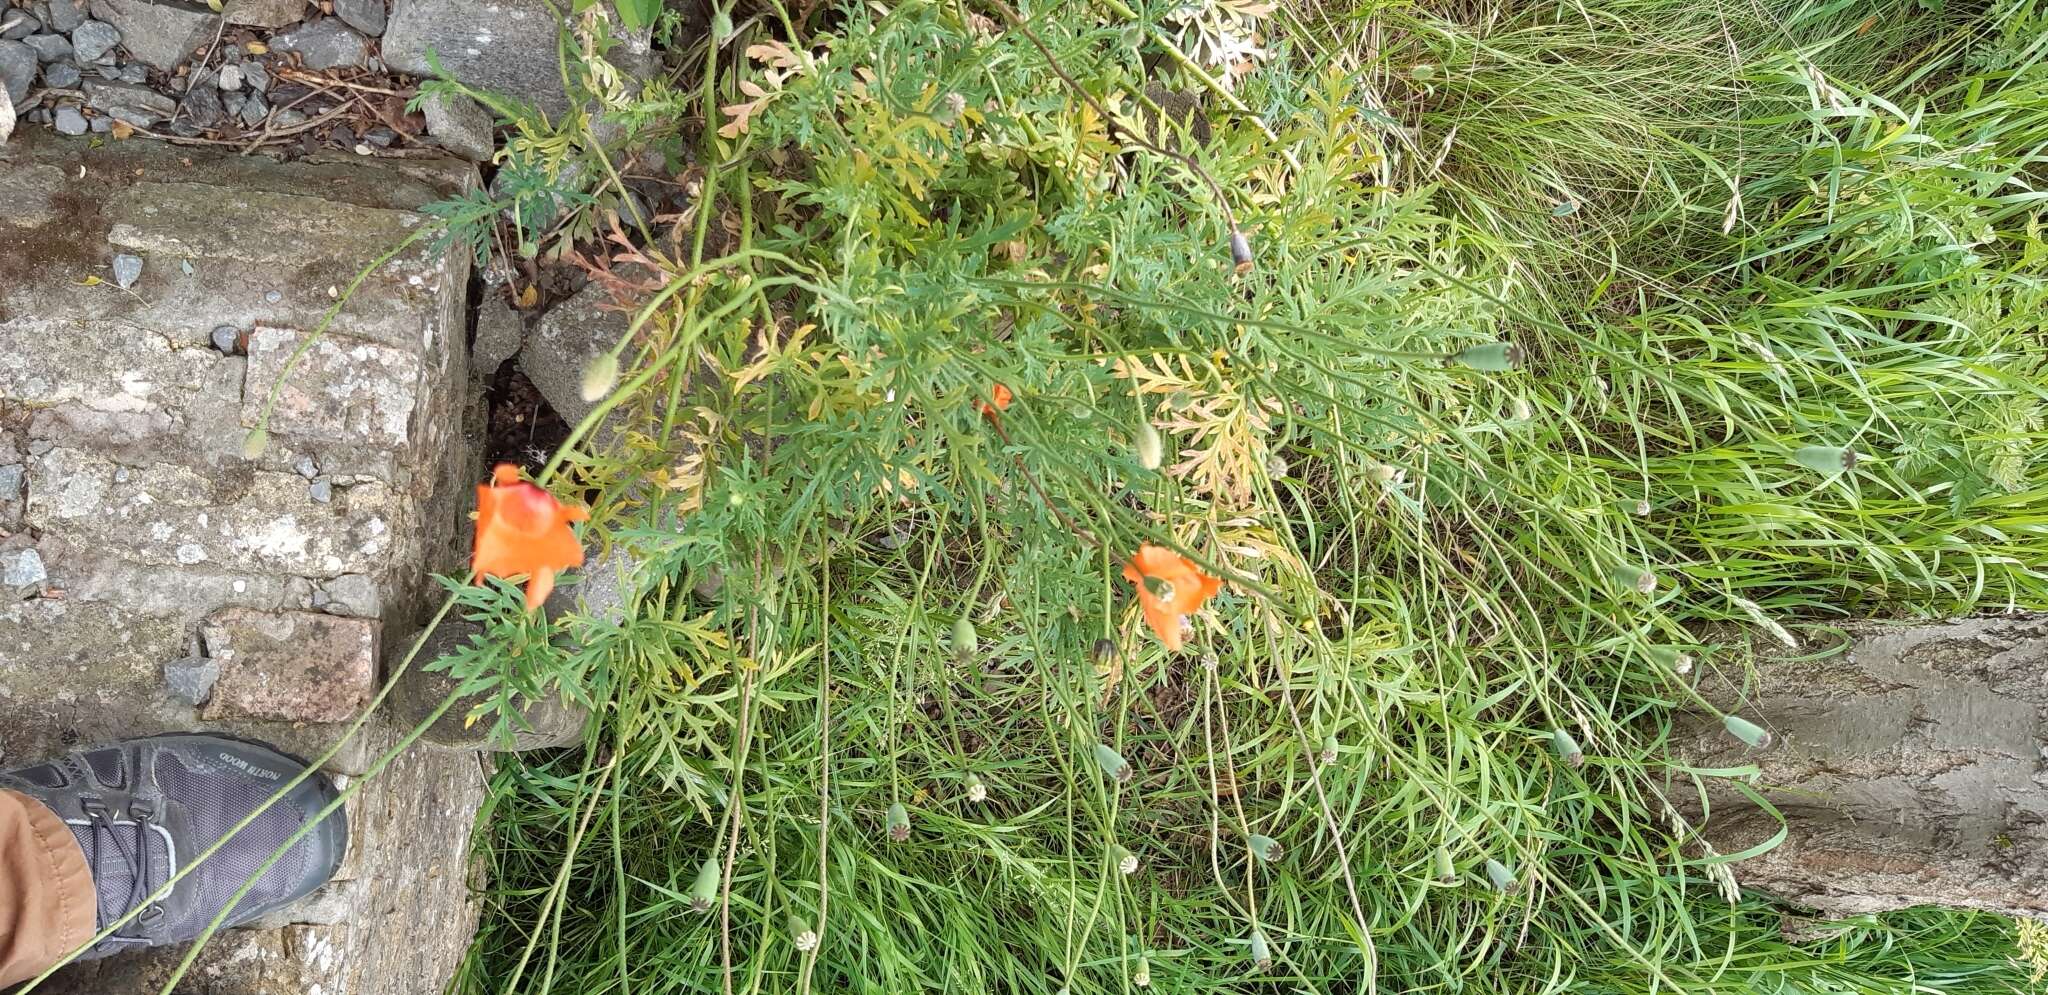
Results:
x,y
1628,576
964,638
1151,449
1567,748
1126,861
1112,763
599,377
1491,357
1749,732
1240,251
1262,952
1103,651
899,822
1265,848
801,934
1329,754
1444,871
1502,878
1826,459
1141,976
705,891
255,443
1382,474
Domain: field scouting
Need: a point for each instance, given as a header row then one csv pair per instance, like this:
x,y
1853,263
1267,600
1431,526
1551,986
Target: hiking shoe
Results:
x,y
144,808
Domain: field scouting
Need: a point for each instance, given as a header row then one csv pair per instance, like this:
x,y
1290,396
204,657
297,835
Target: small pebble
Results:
x,y
322,490
230,77
224,337
127,270
61,76
255,110
121,475
289,118
49,48
135,72
70,122
306,467
256,76
273,297
93,39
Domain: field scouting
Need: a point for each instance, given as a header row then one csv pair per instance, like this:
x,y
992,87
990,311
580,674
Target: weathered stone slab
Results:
x,y
289,666
162,33
507,46
343,387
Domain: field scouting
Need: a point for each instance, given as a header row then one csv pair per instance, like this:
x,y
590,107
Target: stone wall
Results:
x,y
154,578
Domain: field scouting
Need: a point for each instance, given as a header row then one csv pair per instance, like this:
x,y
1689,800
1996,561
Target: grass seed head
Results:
x,y
599,376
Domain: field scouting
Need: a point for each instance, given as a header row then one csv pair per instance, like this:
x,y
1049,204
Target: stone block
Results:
x,y
506,46
289,666
564,341
162,33
270,14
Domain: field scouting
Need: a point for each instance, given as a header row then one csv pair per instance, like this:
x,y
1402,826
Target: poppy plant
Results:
x,y
1001,397
1170,587
521,529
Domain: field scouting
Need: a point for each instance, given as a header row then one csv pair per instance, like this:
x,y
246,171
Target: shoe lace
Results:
x,y
129,844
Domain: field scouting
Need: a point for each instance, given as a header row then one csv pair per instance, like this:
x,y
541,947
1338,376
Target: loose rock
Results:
x,y
305,467
203,107
49,48
127,270
225,339
70,122
461,125
61,76
504,45
254,110
133,72
264,13
18,24
162,33
567,339
352,594
11,478
137,105
289,666
63,16
256,76
22,575
324,45
498,330
191,679
230,77
92,39
366,16
17,69
321,491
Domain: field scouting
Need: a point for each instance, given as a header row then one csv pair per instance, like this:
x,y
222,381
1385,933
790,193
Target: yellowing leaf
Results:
x,y
528,297
90,281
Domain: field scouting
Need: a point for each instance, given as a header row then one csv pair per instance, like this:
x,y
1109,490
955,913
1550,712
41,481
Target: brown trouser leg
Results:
x,y
47,902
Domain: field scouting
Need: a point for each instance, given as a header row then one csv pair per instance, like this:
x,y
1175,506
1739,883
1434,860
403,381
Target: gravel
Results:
x,y
254,110
230,77
49,48
61,76
203,107
63,16
321,491
324,44
70,122
192,678
256,76
127,270
92,39
18,24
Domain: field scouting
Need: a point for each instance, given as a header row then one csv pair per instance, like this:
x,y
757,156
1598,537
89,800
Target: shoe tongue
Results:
x,y
116,854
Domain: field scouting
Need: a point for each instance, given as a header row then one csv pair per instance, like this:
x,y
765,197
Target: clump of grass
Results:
x,y
1473,491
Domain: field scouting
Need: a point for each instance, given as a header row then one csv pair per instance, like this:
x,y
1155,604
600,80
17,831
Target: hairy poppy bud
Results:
x,y
1567,748
899,822
1502,878
705,891
1112,763
1491,357
1103,651
1444,871
1265,848
599,377
255,443
1749,732
1151,449
1826,459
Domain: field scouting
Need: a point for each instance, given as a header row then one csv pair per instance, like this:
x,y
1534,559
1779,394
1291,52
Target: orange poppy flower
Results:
x,y
1001,396
521,529
1170,587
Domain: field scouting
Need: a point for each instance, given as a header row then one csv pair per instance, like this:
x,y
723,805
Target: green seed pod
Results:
x,y
1826,459
965,640
1151,448
1628,576
705,892
976,791
1503,879
1329,754
899,822
599,377
1240,252
1749,732
1492,357
1671,658
1262,952
1103,651
1126,861
1112,763
255,443
1265,848
1141,975
803,935
1444,871
1567,748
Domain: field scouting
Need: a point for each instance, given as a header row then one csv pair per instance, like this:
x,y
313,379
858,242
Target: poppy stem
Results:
x,y
1042,497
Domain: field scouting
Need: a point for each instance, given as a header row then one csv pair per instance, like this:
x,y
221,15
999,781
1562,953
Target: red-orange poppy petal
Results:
x,y
1190,589
522,530
1001,397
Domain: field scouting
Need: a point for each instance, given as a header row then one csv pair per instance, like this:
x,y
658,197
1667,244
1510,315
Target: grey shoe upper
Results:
x,y
144,808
